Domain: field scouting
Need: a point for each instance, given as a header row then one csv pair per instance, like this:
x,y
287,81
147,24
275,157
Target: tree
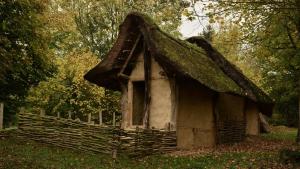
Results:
x,y
65,37
94,25
98,21
77,28
23,50
67,91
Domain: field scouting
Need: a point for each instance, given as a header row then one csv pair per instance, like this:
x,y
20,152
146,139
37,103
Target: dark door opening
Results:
x,y
138,102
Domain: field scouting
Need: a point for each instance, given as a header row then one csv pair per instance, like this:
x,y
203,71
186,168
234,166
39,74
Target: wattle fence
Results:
x,y
82,136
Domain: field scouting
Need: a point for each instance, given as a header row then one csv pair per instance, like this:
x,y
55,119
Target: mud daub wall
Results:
x,y
94,138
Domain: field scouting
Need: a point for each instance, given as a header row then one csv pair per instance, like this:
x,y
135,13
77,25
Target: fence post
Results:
x,y
100,117
89,118
114,119
1,115
42,113
69,115
58,114
114,154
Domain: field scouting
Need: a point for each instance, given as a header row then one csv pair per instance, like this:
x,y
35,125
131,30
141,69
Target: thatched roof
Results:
x,y
199,61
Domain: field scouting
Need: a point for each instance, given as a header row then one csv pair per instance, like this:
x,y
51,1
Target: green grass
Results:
x,y
19,154
288,134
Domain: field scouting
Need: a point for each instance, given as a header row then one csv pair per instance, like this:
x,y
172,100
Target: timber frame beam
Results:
x,y
130,55
147,72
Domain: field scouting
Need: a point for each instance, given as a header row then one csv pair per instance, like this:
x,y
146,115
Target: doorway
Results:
x,y
138,102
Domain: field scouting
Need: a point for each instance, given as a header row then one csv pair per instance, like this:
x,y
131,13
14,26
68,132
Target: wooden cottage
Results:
x,y
186,86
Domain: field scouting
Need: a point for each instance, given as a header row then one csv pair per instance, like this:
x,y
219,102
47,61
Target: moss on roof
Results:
x,y
232,71
182,57
193,61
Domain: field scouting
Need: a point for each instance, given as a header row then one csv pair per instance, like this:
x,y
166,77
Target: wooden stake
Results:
x,y
1,115
114,119
69,115
58,114
89,118
100,117
42,113
114,154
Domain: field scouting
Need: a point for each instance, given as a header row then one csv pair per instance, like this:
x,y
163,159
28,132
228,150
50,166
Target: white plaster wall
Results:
x,y
137,73
160,105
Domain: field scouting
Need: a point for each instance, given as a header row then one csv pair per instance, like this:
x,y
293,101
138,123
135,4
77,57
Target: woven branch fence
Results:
x,y
8,133
231,131
82,136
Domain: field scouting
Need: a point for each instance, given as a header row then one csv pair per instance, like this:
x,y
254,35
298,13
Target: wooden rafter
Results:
x,y
130,54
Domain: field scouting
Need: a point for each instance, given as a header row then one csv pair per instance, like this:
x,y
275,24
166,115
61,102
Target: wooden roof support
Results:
x,y
147,70
130,54
123,76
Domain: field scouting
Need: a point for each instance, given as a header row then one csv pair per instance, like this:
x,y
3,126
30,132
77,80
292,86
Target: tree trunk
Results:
x,y
298,135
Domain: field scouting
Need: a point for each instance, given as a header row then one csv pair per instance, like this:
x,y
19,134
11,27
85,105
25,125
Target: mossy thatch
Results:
x,y
177,57
192,61
250,89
